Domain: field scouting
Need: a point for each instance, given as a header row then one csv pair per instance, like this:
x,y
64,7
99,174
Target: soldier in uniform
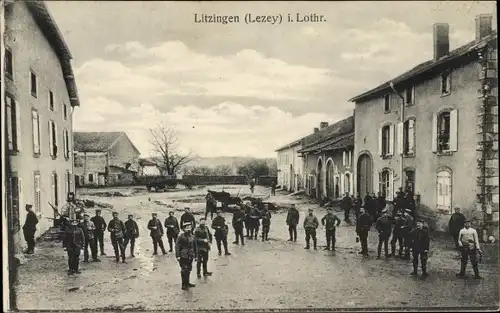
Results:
x,y
132,232
117,229
156,233
88,229
29,229
384,228
248,223
202,240
172,226
381,203
420,247
329,221
311,223
221,230
468,241
292,220
185,254
188,217
266,223
254,223
73,243
210,205
238,222
399,201
407,228
100,227
397,234
357,204
363,226
346,205
455,225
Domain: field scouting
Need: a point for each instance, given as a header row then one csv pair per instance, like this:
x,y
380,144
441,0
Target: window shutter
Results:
x,y
400,138
39,133
454,130
51,143
391,140
341,185
20,196
380,141
411,136
434,132
64,144
18,125
391,185
351,187
350,158
56,142
344,157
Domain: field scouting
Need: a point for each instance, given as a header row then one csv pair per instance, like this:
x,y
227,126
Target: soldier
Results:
x,y
357,204
100,227
154,225
397,234
468,241
73,243
384,228
381,203
399,200
420,247
185,254
238,222
117,229
407,228
292,220
210,205
221,230
202,239
29,229
172,226
363,226
254,223
311,223
329,221
273,188
188,217
88,229
455,225
252,185
346,205
248,223
132,232
266,223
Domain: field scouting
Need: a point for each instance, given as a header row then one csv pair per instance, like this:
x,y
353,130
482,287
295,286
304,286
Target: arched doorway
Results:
x,y
330,183
320,179
292,179
365,174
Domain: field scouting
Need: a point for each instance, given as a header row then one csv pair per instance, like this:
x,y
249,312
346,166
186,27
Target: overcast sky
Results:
x,y
238,89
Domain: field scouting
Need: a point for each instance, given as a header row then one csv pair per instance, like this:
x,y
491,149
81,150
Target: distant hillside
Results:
x,y
230,161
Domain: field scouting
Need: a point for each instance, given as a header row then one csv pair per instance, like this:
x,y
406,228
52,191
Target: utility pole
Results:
x,y
402,120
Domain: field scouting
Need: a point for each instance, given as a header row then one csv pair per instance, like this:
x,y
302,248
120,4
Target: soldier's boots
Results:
x,y
315,244
307,245
463,266
327,248
476,272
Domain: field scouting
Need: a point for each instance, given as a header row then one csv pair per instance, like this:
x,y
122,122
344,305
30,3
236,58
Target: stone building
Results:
x,y
436,131
290,175
40,96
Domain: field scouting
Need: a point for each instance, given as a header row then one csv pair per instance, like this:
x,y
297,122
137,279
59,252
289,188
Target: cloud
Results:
x,y
228,128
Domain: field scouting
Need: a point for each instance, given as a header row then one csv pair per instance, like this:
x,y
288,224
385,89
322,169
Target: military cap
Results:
x,y
328,209
310,210
420,220
29,205
86,214
186,224
408,211
131,215
219,209
203,219
469,220
154,213
115,213
98,210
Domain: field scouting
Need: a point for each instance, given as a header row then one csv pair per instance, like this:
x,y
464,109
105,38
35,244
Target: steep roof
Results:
x,y
426,69
49,28
95,141
148,162
290,145
342,127
330,144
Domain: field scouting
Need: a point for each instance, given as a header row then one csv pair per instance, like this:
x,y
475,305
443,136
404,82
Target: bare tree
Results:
x,y
166,146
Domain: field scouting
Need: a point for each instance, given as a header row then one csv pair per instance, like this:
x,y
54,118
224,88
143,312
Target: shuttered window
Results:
x,y
13,124
386,140
35,118
38,193
445,132
443,191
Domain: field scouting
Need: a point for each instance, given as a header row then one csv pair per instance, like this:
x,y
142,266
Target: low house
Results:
x,y
327,159
290,175
148,167
434,130
104,159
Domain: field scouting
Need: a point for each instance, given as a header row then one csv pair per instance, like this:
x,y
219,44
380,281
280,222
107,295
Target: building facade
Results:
x,y
432,126
40,96
290,174
327,155
104,159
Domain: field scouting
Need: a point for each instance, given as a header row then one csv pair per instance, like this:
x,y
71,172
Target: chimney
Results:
x,y
441,40
483,26
316,129
323,125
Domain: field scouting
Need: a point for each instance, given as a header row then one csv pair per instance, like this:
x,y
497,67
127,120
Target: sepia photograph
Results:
x,y
253,156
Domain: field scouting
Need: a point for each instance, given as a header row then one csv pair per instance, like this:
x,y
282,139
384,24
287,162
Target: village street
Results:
x,y
275,274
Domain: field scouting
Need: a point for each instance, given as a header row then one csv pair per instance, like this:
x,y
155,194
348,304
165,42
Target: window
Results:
x,y
52,139
13,124
445,132
445,83
55,190
406,131
347,183
51,100
385,184
9,66
443,191
35,118
66,144
347,158
387,103
410,180
68,182
15,204
65,112
33,85
337,187
410,96
38,193
91,178
386,140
